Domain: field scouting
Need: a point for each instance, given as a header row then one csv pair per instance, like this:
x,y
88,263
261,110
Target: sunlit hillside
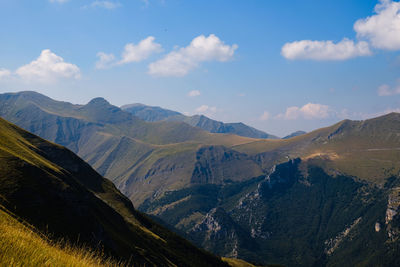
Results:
x,y
22,245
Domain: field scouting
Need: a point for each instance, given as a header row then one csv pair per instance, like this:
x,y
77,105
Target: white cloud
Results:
x,y
141,51
105,4
132,53
308,111
265,116
48,67
105,60
383,28
179,62
311,111
325,50
194,93
343,114
386,90
4,73
206,110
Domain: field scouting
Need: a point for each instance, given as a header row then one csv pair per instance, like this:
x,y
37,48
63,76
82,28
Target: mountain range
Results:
x,y
149,113
328,197
47,187
140,157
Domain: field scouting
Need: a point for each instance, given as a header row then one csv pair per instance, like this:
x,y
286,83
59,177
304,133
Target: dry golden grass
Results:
x,y
237,262
21,246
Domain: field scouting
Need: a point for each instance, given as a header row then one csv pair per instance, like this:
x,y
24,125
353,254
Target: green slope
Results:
x,y
195,180
367,149
55,191
22,245
139,157
323,212
296,216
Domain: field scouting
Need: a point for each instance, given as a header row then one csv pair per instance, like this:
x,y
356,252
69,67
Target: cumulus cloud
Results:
x,y
105,4
105,60
383,28
206,110
179,62
132,53
265,116
386,90
194,93
325,50
381,31
308,111
141,51
48,67
4,73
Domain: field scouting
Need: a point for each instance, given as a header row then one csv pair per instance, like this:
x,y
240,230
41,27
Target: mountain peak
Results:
x,y
29,95
98,101
294,134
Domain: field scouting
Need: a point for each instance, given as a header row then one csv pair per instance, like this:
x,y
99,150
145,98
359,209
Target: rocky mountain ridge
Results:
x,y
150,113
225,189
50,188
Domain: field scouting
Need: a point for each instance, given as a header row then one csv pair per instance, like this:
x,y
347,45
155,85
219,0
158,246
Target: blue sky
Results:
x,y
279,66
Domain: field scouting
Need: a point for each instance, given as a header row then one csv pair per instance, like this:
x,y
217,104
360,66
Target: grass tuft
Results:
x,y
21,245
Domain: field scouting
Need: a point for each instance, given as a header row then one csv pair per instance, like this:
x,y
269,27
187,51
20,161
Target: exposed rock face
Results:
x,y
285,214
296,209
377,227
218,232
333,243
393,205
392,211
281,176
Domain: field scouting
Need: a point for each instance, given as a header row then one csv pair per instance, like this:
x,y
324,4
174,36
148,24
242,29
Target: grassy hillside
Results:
x,y
146,159
201,182
367,149
141,158
296,216
50,188
22,245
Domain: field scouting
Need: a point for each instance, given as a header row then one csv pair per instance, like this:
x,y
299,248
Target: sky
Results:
x,y
279,66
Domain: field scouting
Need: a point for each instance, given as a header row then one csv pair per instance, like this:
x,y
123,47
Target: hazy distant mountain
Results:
x,y
330,196
140,157
297,133
52,189
149,113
